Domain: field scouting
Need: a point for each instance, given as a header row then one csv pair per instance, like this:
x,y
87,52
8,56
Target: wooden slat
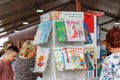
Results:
x,y
78,5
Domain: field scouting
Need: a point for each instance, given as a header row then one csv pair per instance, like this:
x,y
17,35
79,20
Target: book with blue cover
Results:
x,y
45,29
88,39
43,32
89,61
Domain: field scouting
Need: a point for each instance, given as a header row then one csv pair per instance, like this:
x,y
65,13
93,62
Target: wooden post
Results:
x,y
78,5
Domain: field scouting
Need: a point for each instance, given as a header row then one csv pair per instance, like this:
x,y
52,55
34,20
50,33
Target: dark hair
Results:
x,y
113,37
13,48
6,43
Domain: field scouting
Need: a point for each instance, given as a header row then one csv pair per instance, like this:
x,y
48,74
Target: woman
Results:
x,y
25,62
111,65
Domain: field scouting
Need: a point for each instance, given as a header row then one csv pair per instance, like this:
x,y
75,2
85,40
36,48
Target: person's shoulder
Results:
x,y
112,58
108,57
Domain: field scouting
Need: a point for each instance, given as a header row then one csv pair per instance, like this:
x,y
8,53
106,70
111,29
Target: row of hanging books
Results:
x,y
71,58
69,27
68,30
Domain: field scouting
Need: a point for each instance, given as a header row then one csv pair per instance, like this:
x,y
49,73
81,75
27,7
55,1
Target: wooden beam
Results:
x,y
105,30
42,6
78,6
107,22
33,6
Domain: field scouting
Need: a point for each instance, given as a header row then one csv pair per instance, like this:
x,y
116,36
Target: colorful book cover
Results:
x,y
37,35
74,30
59,58
89,62
74,59
61,30
42,58
92,52
43,32
89,20
45,29
87,35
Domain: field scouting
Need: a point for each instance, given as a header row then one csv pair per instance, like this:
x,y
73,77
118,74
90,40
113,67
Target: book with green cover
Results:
x,y
61,30
59,58
89,62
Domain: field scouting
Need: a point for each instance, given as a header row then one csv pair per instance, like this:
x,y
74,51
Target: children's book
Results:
x,y
92,52
87,35
74,59
59,58
89,61
37,36
61,30
43,32
89,20
42,58
74,30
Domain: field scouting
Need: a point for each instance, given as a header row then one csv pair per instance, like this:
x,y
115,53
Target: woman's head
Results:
x,y
26,48
113,37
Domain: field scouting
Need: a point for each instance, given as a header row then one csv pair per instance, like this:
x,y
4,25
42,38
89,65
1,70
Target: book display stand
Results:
x,y
59,40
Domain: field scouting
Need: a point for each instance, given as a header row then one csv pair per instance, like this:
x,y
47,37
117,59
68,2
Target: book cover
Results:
x,y
42,58
61,30
74,30
37,35
43,32
74,59
92,53
89,62
45,29
89,20
59,58
88,39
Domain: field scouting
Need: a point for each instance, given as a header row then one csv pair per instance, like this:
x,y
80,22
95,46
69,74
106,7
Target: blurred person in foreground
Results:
x,y
25,61
111,64
6,71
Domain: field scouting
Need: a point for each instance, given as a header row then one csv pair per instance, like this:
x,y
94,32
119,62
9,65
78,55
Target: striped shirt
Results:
x,y
6,72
